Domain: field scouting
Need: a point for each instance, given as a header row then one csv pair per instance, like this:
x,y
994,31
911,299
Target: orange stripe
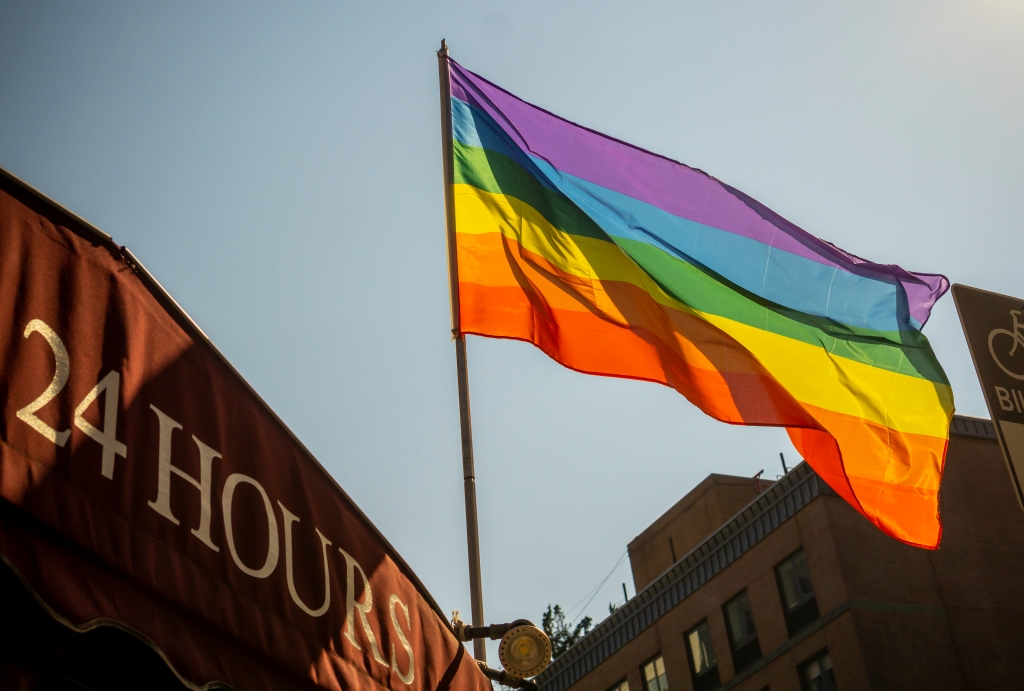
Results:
x,y
899,495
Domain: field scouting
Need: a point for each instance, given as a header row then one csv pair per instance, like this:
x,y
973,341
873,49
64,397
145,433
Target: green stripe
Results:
x,y
702,291
696,286
496,173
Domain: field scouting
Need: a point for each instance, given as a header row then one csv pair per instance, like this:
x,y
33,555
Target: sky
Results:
x,y
277,167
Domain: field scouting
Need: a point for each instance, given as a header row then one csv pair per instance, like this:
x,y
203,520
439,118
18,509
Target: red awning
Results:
x,y
144,482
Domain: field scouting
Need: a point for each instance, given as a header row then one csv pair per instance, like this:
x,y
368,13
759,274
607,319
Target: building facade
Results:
x,y
753,585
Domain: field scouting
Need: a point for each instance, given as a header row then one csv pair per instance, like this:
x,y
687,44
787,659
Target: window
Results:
x,y
796,592
817,674
701,654
621,686
739,623
654,675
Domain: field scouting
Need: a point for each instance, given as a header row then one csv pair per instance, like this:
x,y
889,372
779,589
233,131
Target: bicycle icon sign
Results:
x,y
995,323
1003,343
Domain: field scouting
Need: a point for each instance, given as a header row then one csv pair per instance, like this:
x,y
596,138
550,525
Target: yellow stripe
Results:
x,y
814,376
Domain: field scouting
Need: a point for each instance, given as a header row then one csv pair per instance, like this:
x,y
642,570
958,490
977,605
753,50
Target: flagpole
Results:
x,y
476,594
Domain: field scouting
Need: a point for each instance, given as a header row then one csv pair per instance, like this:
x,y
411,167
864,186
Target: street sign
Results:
x,y
994,327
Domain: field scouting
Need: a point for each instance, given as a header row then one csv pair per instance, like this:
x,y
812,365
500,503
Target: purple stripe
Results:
x,y
672,186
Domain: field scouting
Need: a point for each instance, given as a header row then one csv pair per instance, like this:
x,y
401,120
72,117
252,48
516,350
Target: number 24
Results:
x,y
111,384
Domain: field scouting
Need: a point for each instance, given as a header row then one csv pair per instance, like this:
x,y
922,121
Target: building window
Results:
x,y
621,686
654,675
739,623
701,654
817,674
797,592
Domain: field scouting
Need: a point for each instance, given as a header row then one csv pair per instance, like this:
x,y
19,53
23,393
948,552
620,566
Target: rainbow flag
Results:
x,y
619,262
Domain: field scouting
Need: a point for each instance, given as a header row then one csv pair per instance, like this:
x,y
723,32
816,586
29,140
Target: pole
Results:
x,y
476,594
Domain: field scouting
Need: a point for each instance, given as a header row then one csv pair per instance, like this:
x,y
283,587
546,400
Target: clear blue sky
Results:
x,y
278,168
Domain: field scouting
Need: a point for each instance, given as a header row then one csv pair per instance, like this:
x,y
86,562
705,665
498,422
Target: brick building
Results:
x,y
789,588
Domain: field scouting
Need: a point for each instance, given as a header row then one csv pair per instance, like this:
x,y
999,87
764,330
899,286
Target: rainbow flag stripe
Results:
x,y
619,262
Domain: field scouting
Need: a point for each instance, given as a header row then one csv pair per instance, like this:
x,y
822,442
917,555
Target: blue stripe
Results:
x,y
473,127
781,277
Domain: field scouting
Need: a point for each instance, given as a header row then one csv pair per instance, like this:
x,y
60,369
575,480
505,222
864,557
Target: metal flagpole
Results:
x,y
476,594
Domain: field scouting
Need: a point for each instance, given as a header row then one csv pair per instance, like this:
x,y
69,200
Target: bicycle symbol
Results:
x,y
1017,339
